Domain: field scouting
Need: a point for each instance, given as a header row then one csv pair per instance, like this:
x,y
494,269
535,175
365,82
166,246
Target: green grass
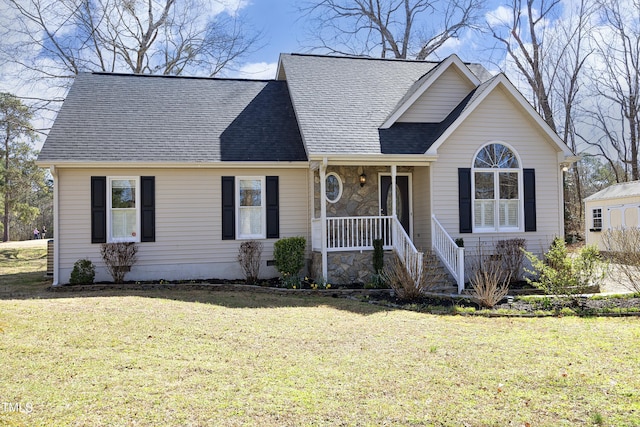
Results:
x,y
22,270
238,358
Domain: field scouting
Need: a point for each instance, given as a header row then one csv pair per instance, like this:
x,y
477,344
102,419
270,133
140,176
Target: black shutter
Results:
x,y
529,178
148,211
464,199
98,209
228,208
273,208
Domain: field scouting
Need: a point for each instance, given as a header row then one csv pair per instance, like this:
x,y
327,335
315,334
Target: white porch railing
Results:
x,y
358,233
451,255
353,233
406,250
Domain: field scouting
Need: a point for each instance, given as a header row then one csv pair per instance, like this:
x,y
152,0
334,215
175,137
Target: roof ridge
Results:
x,y
372,58
173,76
367,58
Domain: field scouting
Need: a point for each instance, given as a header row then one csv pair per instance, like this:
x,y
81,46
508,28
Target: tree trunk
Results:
x,y
5,216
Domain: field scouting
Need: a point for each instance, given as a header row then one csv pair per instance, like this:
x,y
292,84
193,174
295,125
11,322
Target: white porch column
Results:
x,y
394,172
323,216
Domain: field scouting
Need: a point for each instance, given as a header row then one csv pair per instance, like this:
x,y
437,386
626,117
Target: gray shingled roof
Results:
x,y
615,191
134,118
341,102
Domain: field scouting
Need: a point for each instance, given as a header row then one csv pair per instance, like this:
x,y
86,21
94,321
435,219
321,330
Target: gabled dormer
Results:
x,y
434,96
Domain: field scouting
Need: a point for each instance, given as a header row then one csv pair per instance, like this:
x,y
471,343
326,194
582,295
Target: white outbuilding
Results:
x,y
617,206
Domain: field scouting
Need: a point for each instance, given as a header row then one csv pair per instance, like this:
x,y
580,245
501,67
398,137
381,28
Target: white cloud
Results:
x,y
500,15
257,71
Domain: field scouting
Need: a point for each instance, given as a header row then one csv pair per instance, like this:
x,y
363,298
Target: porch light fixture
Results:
x,y
363,179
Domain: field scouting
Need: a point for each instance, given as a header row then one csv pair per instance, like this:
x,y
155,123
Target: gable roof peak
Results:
x,y
424,82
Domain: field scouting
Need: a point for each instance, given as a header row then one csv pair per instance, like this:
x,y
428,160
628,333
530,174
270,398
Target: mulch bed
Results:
x,y
511,306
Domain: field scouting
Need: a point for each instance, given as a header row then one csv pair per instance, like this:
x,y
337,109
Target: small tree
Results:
x,y
249,257
119,257
511,254
563,275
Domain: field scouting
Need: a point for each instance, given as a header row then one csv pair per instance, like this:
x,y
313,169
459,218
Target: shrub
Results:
x,y
512,255
83,272
623,246
489,279
411,287
289,258
119,257
560,274
378,255
249,257
377,282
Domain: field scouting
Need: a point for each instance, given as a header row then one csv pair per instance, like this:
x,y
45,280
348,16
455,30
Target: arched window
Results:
x,y
497,189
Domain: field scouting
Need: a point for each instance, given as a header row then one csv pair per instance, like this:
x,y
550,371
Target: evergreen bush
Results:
x,y
288,254
83,272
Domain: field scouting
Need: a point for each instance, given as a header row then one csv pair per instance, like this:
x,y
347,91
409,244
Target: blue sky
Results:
x,y
280,24
283,27
282,33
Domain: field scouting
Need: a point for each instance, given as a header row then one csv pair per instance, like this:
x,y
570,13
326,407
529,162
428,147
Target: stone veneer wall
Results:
x,y
345,268
352,266
355,200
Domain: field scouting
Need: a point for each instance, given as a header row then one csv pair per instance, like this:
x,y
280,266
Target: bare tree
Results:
x,y
389,28
616,86
57,39
545,41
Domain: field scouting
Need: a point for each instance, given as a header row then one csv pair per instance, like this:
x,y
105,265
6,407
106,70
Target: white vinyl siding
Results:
x,y
498,118
435,104
421,207
188,221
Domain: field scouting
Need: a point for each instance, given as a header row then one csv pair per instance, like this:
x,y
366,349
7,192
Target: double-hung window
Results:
x,y
251,215
596,215
497,189
123,218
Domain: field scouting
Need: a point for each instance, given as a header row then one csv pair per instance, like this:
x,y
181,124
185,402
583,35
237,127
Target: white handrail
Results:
x,y
451,255
406,250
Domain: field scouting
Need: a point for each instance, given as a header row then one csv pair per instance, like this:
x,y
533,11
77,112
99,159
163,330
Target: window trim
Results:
x,y
593,219
496,188
263,210
110,238
340,187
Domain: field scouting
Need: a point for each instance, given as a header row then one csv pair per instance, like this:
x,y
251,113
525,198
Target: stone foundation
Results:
x,y
344,268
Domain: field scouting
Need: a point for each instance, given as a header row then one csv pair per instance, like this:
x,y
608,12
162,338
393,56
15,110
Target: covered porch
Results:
x,y
354,204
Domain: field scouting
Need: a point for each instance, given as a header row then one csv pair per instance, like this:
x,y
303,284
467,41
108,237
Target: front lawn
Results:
x,y
22,267
238,358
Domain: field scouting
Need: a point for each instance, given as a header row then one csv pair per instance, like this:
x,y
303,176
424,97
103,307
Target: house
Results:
x,y
339,150
617,206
